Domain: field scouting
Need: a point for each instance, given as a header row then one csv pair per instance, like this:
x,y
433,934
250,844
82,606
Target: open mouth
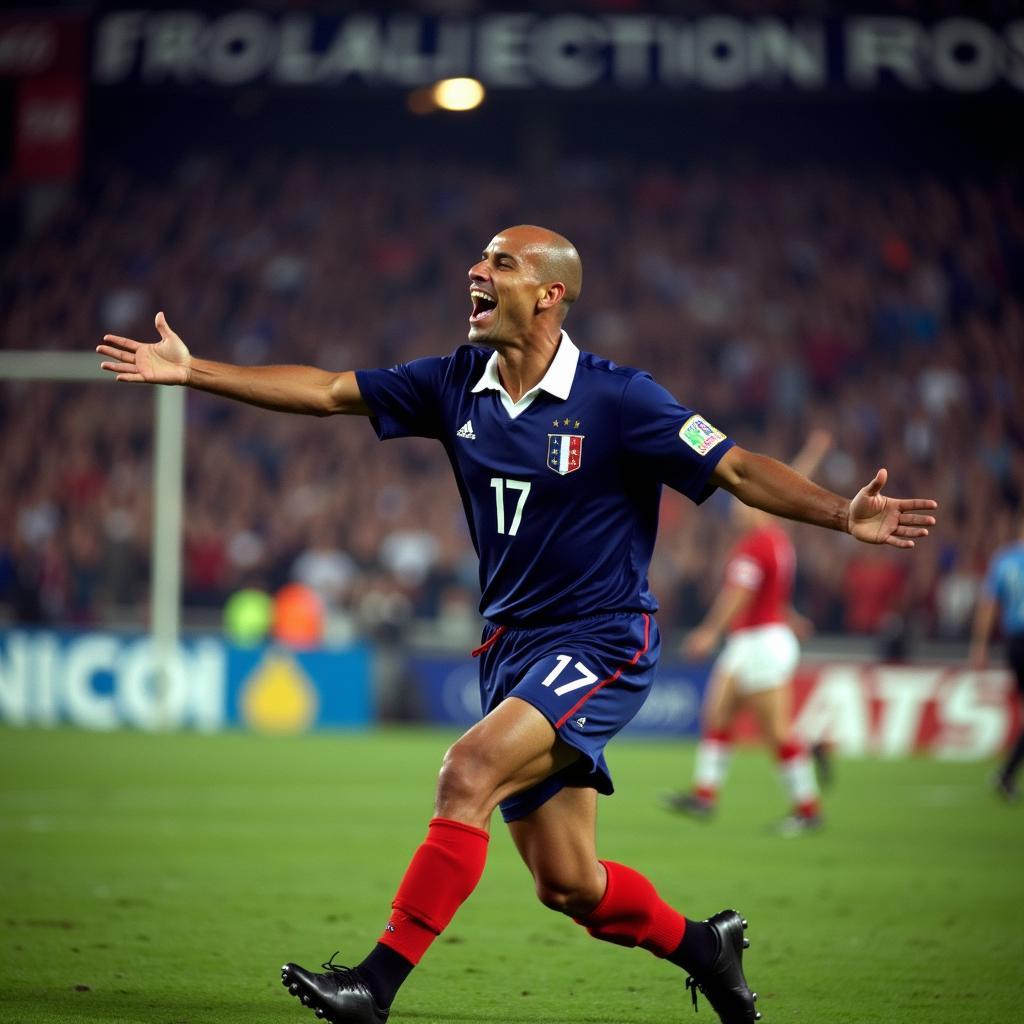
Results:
x,y
484,306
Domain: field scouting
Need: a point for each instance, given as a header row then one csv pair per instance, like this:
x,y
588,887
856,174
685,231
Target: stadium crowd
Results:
x,y
886,308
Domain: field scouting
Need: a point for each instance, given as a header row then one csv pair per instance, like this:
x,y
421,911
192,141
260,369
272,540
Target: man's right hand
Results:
x,y
166,362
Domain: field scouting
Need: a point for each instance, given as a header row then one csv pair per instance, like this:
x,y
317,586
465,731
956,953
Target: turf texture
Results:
x,y
164,879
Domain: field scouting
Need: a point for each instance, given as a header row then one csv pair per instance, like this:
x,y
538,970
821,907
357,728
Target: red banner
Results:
x,y
48,132
42,46
895,710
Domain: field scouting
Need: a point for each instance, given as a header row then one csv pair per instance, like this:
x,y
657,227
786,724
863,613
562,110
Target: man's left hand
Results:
x,y
876,519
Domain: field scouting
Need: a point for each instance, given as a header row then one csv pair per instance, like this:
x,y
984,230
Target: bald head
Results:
x,y
553,257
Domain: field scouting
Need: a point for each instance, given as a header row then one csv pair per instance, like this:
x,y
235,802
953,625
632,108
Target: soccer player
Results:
x,y
1003,598
756,665
559,456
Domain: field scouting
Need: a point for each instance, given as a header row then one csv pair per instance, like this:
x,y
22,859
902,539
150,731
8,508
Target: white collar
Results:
x,y
557,381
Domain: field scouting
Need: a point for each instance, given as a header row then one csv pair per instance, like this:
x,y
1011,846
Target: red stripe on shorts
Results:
x,y
611,679
488,643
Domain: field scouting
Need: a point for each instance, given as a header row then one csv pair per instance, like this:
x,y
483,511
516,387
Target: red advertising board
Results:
x,y
46,56
47,44
895,710
48,133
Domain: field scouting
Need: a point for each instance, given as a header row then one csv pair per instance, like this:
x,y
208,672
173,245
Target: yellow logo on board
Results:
x,y
278,696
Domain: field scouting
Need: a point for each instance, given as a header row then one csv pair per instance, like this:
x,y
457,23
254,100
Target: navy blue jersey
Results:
x,y
561,489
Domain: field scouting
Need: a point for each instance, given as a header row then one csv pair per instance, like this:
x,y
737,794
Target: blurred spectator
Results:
x,y
325,569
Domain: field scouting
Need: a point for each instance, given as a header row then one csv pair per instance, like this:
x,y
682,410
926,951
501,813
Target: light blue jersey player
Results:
x,y
560,457
1002,598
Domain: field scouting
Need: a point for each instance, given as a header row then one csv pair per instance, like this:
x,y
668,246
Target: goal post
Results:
x,y
168,482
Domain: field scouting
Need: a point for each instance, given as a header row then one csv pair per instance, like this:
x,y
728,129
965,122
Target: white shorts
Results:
x,y
760,658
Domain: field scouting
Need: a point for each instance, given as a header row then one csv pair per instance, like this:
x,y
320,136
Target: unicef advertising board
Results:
x,y
111,680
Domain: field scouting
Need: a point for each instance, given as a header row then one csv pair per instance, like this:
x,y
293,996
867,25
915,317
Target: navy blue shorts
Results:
x,y
588,678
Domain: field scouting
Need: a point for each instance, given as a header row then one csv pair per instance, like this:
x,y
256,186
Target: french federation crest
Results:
x,y
565,452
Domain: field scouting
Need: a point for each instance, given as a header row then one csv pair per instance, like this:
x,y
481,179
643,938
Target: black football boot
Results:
x,y
723,983
337,996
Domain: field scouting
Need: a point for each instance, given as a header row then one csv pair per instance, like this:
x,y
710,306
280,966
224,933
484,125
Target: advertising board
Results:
x,y
106,680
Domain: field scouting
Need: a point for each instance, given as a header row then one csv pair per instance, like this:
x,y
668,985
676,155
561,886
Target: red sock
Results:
x,y
441,875
789,749
631,913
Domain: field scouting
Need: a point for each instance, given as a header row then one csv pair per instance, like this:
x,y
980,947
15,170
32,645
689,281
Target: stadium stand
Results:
x,y
885,306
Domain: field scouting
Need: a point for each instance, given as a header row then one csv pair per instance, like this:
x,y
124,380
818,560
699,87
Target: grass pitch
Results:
x,y
164,879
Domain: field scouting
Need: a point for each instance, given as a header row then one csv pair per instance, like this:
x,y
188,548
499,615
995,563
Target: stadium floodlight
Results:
x,y
168,487
459,93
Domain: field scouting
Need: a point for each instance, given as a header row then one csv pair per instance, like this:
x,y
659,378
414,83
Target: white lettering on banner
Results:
x,y
779,53
974,719
356,50
239,47
454,48
631,39
897,710
28,680
502,50
295,63
45,675
1014,67
965,55
208,675
149,697
959,54
172,47
49,121
116,43
405,63
903,693
721,52
874,45
837,711
85,659
565,51
43,682
676,54
26,48
14,676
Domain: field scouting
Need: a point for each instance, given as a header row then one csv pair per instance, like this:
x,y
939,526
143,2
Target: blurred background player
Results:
x,y
1003,598
756,665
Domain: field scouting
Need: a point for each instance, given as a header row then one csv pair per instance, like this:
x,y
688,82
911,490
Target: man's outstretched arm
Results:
x,y
870,516
302,389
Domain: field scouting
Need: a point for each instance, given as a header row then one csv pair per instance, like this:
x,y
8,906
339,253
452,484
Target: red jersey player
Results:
x,y
756,664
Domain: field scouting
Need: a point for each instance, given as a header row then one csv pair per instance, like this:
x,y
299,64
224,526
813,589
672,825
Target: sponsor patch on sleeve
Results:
x,y
700,435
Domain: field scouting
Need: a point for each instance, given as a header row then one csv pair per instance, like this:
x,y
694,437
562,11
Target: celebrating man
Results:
x,y
560,457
